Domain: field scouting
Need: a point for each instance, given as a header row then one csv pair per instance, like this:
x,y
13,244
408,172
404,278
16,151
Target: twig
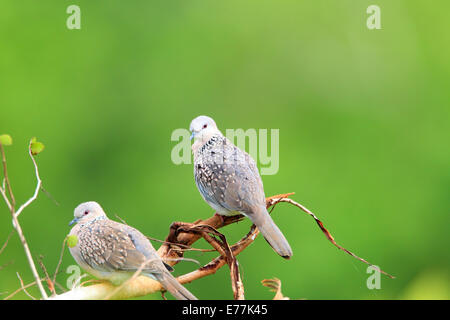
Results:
x,y
38,185
5,173
29,257
217,263
6,264
90,281
238,285
48,194
15,215
60,260
20,289
50,284
5,197
215,221
23,288
223,248
60,287
7,240
275,286
186,247
328,234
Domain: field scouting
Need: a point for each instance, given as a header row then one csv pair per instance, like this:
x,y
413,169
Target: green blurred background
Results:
x,y
363,118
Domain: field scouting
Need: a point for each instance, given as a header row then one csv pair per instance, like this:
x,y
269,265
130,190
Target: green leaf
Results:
x,y
5,139
72,241
36,147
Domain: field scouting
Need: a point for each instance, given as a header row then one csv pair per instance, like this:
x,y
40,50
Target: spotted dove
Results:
x,y
114,251
229,181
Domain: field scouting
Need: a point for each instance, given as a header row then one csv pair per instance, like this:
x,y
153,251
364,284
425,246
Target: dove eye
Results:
x,y
204,126
86,212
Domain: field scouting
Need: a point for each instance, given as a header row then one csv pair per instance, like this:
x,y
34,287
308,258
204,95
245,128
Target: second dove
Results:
x,y
229,181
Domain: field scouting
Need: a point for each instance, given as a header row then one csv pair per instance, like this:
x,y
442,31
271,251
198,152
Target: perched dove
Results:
x,y
114,251
229,181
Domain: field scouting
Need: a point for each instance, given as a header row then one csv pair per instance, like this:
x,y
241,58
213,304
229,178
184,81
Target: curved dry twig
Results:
x,y
23,287
6,180
275,286
218,241
38,185
59,261
7,241
330,237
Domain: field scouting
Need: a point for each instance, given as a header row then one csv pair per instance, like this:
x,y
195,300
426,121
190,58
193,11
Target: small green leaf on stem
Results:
x,y
72,241
5,139
36,147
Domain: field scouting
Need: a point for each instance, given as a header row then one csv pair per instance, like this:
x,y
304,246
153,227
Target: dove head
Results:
x,y
203,128
87,211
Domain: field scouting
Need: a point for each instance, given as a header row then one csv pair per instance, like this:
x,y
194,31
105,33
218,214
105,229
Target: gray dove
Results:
x,y
229,181
114,251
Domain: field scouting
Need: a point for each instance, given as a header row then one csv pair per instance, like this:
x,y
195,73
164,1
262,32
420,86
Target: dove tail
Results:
x,y
271,232
174,287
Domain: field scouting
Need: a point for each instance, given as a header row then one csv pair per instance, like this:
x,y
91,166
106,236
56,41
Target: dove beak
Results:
x,y
75,220
192,135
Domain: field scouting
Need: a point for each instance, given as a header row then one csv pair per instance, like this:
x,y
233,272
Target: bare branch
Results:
x,y
49,195
185,247
50,283
60,287
217,263
5,197
20,289
275,286
23,288
6,242
3,266
223,248
29,257
15,215
329,236
5,173
59,261
38,185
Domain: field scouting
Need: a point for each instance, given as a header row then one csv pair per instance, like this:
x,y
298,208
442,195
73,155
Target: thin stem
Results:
x,y
5,197
29,257
60,260
7,240
5,173
50,284
23,287
20,289
38,185
15,221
